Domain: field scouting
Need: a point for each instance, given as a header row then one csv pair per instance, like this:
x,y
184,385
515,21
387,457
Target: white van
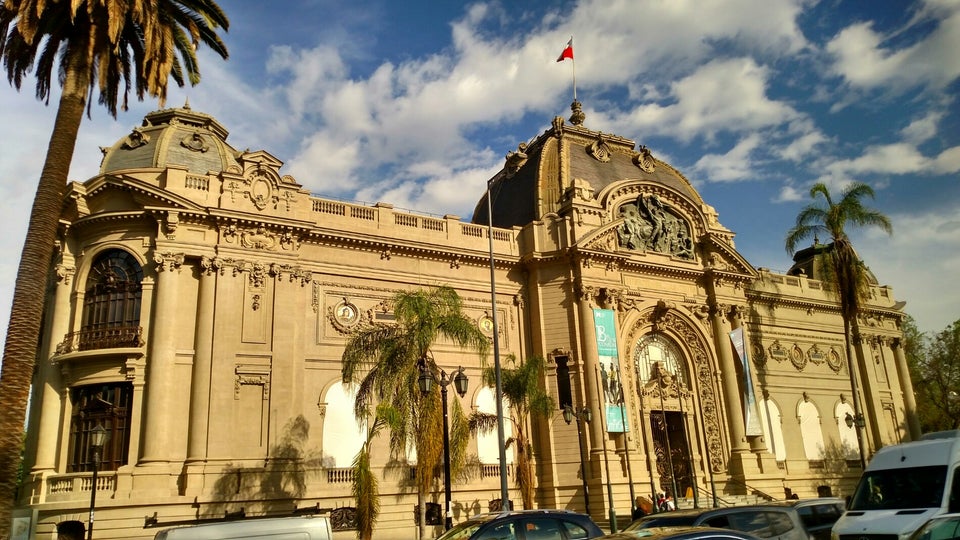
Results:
x,y
903,486
285,528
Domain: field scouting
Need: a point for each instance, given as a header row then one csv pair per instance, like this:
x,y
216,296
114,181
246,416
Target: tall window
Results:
x,y
108,405
111,306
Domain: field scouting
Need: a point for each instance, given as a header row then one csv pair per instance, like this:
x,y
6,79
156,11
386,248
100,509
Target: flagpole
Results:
x,y
573,64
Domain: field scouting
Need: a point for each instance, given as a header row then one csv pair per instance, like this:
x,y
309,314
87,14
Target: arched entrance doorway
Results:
x,y
666,399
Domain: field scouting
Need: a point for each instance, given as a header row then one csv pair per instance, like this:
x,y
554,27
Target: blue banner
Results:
x,y
606,330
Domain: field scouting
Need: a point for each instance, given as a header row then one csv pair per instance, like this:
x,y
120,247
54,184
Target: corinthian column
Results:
x,y
739,448
202,361
49,385
591,361
906,386
162,389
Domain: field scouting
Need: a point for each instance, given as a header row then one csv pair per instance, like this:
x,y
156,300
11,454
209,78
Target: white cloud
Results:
x,y
919,262
734,165
723,95
862,56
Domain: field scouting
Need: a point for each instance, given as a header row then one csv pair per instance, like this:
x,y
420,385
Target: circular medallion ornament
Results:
x,y
486,325
346,313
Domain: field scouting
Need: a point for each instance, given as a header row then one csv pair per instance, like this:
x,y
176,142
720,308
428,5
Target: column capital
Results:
x,y
167,261
65,273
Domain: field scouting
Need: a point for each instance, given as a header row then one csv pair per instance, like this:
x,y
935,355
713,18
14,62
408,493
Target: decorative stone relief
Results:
x,y
252,375
344,316
815,355
171,224
649,225
65,273
294,273
797,358
168,261
516,159
599,150
777,352
606,241
643,159
259,238
195,143
759,355
834,361
485,323
135,139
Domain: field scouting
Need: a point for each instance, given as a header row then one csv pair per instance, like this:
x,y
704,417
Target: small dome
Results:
x,y
176,137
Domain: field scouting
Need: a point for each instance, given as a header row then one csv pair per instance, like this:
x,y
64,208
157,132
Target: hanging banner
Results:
x,y
603,321
751,415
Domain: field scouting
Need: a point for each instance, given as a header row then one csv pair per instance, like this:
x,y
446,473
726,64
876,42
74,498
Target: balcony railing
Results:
x,y
101,338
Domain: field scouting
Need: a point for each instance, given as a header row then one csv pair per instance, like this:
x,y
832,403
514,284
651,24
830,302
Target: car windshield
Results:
x,y
898,489
661,521
466,529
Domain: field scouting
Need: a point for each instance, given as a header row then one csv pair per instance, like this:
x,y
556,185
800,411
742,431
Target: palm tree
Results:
x,y
528,400
87,44
841,266
394,355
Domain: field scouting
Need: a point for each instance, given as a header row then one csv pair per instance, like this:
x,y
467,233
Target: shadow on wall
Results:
x,y
275,487
839,473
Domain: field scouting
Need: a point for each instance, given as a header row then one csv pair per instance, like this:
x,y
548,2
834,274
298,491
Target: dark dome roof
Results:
x,y
176,137
536,175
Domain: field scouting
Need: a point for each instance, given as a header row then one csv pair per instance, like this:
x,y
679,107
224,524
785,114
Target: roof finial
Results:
x,y
186,104
577,117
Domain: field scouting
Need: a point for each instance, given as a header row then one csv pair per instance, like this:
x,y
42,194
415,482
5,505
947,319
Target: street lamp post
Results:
x,y
501,435
98,436
585,415
460,382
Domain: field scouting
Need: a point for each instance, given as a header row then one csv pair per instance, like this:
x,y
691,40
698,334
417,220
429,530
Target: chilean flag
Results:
x,y
567,52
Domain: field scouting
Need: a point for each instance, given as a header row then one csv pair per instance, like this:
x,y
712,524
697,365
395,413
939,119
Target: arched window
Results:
x,y
342,434
810,431
488,443
107,405
847,429
654,349
773,429
111,305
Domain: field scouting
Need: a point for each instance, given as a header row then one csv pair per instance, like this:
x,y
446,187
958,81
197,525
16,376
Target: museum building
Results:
x,y
200,301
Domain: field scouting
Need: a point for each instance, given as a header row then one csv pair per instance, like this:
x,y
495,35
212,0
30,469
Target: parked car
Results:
x,y
680,533
285,528
526,525
819,515
943,527
772,521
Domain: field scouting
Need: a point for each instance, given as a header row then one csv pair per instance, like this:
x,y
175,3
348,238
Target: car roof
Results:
x,y
678,533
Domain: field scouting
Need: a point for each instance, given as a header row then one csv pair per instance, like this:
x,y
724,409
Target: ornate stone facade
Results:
x,y
217,370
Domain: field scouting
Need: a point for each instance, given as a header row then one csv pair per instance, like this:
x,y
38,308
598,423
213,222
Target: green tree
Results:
x,y
103,44
393,356
936,380
522,387
840,265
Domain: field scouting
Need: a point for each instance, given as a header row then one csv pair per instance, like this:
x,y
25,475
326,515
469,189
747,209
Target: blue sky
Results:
x,y
416,104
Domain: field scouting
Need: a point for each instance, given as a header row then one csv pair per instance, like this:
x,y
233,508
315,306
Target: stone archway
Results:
x,y
697,363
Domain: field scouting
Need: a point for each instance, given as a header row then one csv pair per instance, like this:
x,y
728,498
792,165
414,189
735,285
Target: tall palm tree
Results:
x,y
394,355
841,266
528,400
87,44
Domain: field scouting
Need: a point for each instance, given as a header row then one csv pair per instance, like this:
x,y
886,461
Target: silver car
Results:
x,y
769,521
